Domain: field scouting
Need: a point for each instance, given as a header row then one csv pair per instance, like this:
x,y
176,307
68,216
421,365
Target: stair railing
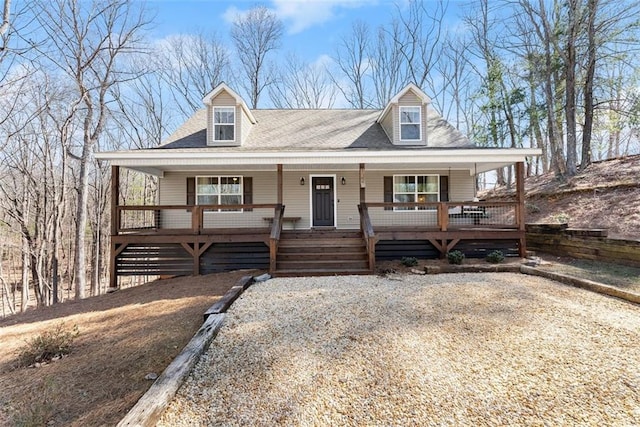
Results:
x,y
274,238
369,234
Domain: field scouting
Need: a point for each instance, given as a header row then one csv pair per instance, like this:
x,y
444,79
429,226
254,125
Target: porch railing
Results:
x,y
186,219
443,216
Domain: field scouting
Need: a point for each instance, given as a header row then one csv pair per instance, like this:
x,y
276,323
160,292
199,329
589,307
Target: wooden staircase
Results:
x,y
321,253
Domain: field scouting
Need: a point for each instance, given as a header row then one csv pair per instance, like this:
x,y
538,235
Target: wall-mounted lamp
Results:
x,y
343,181
302,180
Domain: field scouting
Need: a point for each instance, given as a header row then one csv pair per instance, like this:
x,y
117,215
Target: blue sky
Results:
x,y
312,27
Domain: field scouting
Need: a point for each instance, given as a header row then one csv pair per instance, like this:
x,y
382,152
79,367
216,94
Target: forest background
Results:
x,y
81,76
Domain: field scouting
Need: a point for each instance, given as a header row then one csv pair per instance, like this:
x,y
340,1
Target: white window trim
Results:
x,y
415,192
225,124
220,194
419,139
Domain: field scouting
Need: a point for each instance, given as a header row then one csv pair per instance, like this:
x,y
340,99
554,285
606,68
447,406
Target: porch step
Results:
x,y
326,272
322,265
313,256
325,252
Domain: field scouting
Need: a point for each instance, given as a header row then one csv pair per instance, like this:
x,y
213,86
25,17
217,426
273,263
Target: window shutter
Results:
x,y
444,188
388,191
191,191
247,191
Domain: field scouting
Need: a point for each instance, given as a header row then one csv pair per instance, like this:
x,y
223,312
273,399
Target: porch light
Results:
x,y
302,180
343,181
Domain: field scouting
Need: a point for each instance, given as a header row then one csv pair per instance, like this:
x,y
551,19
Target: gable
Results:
x,y
227,105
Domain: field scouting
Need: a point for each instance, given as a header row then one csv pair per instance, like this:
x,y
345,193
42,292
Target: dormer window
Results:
x,y
410,123
224,123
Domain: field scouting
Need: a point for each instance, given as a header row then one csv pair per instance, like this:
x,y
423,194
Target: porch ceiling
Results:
x,y
157,162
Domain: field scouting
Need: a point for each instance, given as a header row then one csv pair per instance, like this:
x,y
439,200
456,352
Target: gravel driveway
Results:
x,y
451,349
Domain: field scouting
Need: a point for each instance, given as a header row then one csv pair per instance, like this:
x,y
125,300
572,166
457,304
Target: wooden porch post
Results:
x,y
520,212
115,223
363,184
280,198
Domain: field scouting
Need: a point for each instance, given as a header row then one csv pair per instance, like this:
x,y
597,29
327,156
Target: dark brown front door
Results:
x,y
322,197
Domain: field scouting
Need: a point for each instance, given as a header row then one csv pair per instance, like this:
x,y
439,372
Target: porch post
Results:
x,y
520,212
115,223
363,184
280,199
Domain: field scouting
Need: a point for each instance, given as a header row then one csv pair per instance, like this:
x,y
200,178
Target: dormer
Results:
x,y
229,120
404,119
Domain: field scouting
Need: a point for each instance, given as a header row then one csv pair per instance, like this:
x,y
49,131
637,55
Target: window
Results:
x,y
416,188
219,190
410,124
224,122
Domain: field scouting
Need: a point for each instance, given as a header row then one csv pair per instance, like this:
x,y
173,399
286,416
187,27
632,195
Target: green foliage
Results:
x,y
47,346
561,218
409,261
455,257
531,208
495,257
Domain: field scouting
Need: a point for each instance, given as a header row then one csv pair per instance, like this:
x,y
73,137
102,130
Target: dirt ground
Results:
x,y
123,336
605,195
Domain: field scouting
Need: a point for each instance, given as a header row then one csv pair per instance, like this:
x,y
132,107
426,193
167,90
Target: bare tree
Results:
x,y
302,85
86,41
255,34
191,65
388,71
352,60
6,12
420,43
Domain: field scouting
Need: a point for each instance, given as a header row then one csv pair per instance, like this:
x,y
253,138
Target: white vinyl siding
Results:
x,y
172,191
410,123
225,100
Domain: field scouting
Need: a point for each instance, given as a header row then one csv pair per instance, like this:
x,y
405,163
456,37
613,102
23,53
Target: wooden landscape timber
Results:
x,y
149,408
558,239
583,283
152,404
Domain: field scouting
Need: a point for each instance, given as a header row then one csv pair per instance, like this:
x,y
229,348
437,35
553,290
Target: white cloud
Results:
x,y
299,15
303,14
231,13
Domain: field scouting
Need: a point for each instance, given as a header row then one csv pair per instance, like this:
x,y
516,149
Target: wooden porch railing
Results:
x,y
188,219
274,238
443,224
369,235
443,216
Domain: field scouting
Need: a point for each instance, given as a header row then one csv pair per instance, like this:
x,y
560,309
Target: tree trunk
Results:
x,y
588,85
81,224
570,89
25,275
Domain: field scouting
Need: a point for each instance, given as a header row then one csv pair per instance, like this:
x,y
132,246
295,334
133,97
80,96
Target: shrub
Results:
x,y
409,261
455,257
47,346
531,208
562,218
495,257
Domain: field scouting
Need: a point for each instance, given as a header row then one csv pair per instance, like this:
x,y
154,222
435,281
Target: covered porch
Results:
x,y
275,229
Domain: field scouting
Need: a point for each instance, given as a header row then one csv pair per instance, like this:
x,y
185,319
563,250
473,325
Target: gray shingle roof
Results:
x,y
314,130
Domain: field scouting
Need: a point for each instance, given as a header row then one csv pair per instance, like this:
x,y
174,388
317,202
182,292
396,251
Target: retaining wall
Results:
x,y
559,239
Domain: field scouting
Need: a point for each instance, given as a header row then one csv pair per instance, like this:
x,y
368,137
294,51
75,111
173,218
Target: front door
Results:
x,y
322,201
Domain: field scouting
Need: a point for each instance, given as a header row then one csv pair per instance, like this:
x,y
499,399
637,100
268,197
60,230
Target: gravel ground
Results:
x,y
451,349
